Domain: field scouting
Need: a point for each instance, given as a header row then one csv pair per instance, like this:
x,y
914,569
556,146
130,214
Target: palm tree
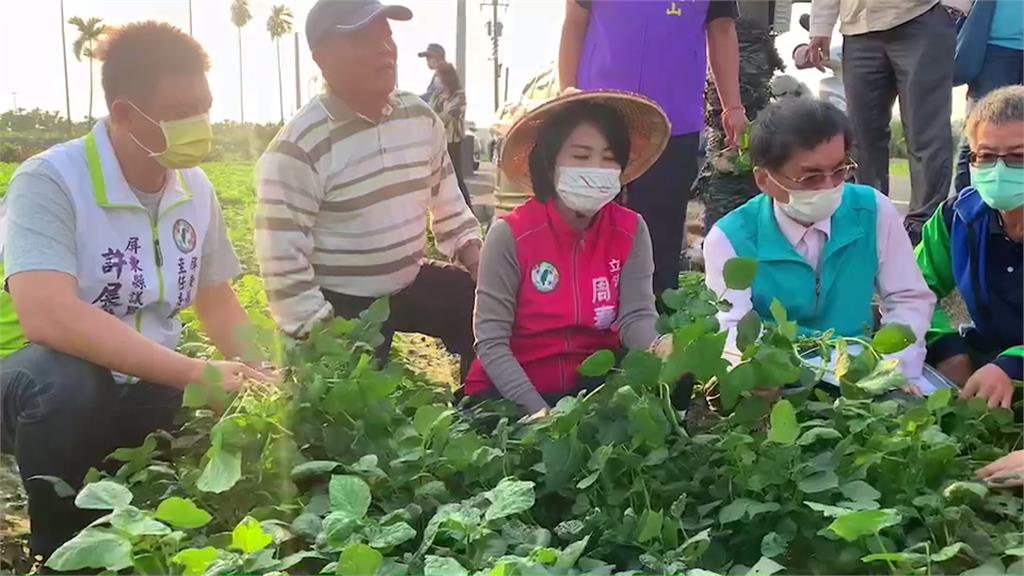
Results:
x,y
240,16
88,32
64,54
279,24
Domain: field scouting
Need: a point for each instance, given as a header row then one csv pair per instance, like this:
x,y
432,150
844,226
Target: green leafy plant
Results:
x,y
350,468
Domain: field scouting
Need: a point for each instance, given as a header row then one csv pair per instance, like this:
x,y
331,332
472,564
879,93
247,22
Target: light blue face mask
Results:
x,y
1000,186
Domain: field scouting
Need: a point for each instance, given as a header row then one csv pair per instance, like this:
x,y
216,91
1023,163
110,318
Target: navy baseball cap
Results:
x,y
331,16
433,50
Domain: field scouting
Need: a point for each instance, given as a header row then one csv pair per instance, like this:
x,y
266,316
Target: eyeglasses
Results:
x,y
988,159
821,180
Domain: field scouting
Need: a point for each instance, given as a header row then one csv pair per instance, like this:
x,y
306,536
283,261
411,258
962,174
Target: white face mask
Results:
x,y
810,206
587,190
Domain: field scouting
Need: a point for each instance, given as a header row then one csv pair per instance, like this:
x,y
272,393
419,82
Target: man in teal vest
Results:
x,y
825,247
107,238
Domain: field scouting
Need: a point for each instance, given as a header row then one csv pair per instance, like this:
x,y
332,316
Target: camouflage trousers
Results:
x,y
718,185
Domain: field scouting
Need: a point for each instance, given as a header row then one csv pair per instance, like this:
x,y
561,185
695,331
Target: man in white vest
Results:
x,y
105,239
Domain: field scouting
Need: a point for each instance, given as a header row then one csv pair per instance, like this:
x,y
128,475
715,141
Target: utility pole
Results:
x,y
64,45
14,96
298,83
189,17
494,29
460,40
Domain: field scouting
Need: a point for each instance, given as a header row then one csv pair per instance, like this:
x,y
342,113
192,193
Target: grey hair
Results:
x,y
999,107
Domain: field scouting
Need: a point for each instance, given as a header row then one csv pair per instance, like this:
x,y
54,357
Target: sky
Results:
x,y
31,66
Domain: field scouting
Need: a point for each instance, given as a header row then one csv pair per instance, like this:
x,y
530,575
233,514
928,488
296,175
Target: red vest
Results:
x,y
568,293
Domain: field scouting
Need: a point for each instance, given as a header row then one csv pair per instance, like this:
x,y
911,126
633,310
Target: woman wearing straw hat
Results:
x,y
569,272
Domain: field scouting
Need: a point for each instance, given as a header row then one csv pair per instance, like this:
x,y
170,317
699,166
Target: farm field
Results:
x,y
235,189
350,470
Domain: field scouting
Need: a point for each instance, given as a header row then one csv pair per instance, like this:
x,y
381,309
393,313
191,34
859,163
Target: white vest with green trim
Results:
x,y
141,270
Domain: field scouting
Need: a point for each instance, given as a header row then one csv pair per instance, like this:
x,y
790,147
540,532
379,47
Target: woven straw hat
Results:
x,y
649,132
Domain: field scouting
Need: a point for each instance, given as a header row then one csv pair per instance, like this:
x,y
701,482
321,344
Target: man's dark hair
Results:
x,y
553,134
137,55
793,125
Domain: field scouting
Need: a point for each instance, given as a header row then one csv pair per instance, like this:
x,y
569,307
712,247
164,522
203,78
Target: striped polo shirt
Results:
x,y
344,204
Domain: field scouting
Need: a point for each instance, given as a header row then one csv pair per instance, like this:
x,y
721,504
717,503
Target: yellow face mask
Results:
x,y
188,141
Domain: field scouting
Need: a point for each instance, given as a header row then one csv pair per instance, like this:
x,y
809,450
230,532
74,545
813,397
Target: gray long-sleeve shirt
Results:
x,y
497,297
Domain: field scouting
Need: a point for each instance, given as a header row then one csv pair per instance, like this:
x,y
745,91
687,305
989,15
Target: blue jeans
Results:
x,y
1002,67
63,415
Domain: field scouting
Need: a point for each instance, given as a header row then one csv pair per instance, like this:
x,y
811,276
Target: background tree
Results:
x,y
240,16
88,32
278,24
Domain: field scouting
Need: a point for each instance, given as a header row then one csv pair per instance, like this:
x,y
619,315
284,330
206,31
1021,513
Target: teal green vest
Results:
x,y
839,296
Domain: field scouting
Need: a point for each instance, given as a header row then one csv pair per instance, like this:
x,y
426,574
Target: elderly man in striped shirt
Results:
x,y
348,188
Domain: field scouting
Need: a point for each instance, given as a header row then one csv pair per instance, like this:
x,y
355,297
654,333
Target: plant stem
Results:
x,y
892,567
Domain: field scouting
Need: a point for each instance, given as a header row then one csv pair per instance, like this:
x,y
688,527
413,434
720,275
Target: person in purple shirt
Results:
x,y
660,49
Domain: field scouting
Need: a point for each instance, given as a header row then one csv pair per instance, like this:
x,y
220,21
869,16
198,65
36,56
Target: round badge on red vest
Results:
x,y
544,277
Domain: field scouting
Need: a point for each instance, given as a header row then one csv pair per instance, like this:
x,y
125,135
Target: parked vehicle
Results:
x,y
539,89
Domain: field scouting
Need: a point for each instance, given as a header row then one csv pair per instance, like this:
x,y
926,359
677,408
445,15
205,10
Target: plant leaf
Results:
x,y
598,364
427,417
195,560
443,566
765,567
819,481
885,377
135,522
249,537
509,497
93,548
571,554
860,491
739,273
901,557
842,360
784,427
827,510
740,379
650,526
61,487
103,495
734,510
892,338
222,472
818,433
773,545
195,396
350,496
855,525
949,552
748,330
182,513
391,535
939,399
359,560
313,469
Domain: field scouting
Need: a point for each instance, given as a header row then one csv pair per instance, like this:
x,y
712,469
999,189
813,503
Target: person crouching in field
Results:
x,y
972,244
824,247
349,187
569,272
108,238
